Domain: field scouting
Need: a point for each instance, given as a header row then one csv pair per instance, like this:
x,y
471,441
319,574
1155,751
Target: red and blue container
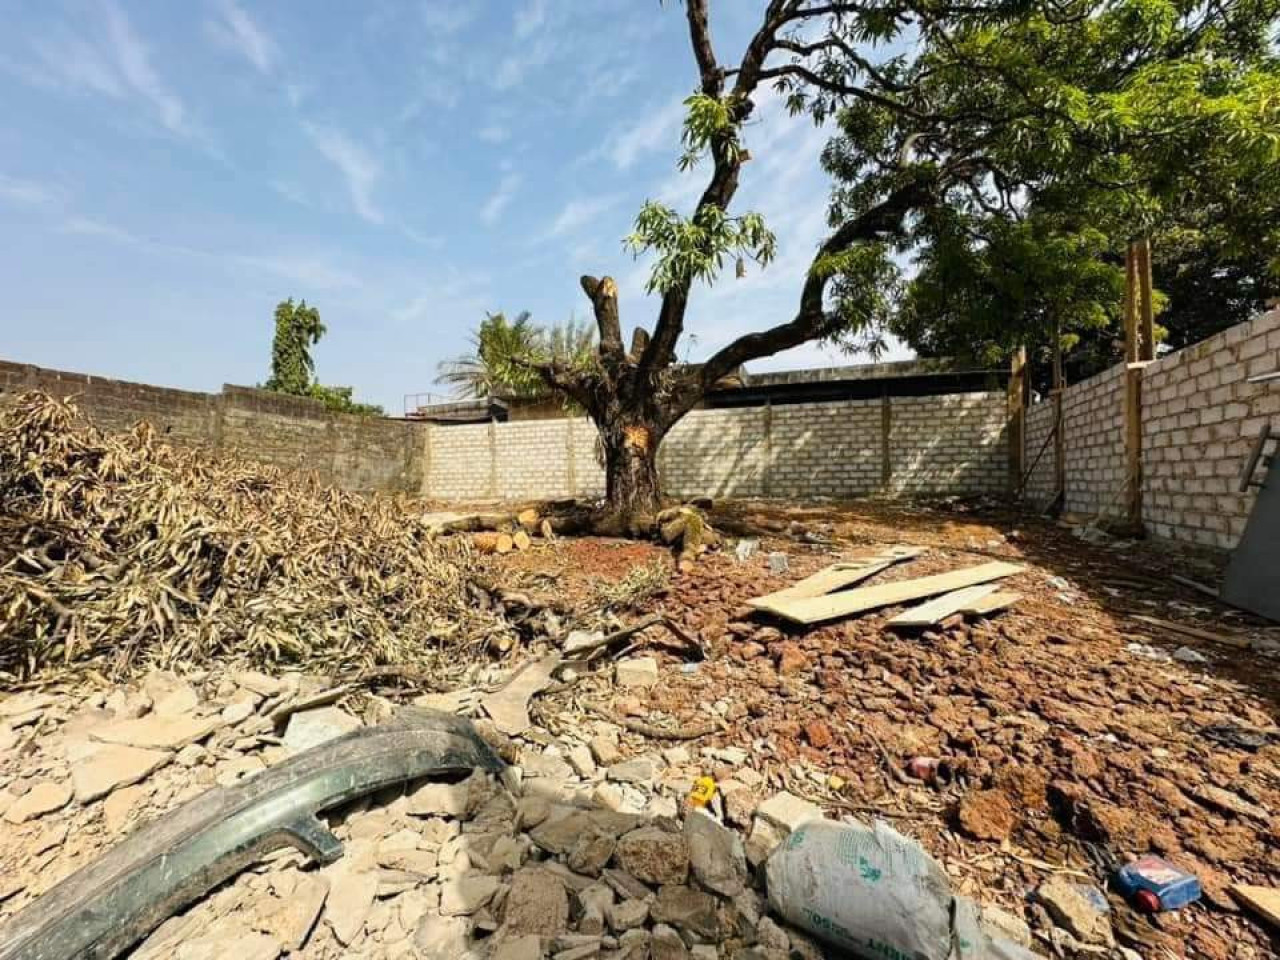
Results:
x,y
1153,884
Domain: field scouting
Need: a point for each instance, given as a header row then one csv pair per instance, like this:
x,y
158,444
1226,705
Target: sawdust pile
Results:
x,y
120,550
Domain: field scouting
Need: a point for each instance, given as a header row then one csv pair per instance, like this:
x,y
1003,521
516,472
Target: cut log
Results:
x,y
940,608
817,609
530,520
547,532
505,544
839,575
485,542
521,540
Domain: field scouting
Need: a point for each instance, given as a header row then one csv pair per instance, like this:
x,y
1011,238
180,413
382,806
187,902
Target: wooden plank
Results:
x,y
992,603
848,602
1264,901
939,608
839,575
1196,633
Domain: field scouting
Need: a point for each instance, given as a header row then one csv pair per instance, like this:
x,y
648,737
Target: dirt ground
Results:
x,y
1069,736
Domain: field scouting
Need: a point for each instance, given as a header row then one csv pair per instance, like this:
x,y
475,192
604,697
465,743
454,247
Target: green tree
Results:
x,y
298,329
1106,107
504,353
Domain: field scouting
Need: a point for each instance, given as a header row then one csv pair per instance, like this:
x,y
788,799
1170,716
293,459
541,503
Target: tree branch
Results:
x,y
811,322
603,295
661,351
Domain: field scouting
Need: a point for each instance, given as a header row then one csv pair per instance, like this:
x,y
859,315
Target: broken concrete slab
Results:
x,y
465,895
687,908
639,770
653,855
293,920
109,767
509,707
636,672
716,854
117,807
44,797
350,897
440,799
787,811
1075,912
536,903
310,728
156,732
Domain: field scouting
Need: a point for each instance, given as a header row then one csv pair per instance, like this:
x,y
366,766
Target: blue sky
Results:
x,y
169,171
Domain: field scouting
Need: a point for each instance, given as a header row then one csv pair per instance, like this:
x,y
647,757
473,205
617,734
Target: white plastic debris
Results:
x,y
876,894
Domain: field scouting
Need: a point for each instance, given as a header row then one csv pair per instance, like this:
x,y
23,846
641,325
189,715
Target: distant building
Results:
x,y
906,378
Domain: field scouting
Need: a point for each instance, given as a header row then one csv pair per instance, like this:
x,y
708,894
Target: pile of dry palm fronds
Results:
x,y
123,550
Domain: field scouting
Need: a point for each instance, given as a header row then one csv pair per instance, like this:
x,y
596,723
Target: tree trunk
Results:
x,y
633,496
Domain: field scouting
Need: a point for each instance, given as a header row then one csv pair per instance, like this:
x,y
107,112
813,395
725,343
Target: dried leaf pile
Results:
x,y
122,550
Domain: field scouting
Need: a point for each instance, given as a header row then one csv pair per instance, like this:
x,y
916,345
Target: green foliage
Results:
x,y
338,399
695,248
1056,136
503,352
708,123
298,329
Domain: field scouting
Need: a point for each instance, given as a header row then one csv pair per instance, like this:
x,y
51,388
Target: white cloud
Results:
x,y
237,31
658,130
291,191
501,197
533,53
134,61
29,193
448,16
361,170
493,133
529,18
579,213
307,271
88,227
114,63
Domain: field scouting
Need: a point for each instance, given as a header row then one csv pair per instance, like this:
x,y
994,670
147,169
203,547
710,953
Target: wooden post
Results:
x,y
1130,303
1059,427
1133,447
1139,347
1146,320
1017,417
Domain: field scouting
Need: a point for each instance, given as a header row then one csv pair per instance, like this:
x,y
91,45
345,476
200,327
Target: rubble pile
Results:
x,y
123,550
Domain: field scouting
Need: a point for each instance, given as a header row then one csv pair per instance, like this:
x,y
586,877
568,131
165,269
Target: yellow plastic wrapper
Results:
x,y
704,788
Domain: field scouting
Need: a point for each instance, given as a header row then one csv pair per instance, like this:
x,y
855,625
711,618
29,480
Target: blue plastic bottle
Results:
x,y
1153,884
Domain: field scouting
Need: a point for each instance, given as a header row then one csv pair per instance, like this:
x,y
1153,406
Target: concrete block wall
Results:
x,y
357,453
1200,418
827,449
1093,427
950,444
460,462
1199,421
720,453
1040,483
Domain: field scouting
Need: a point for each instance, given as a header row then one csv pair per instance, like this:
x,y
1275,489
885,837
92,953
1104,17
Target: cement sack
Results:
x,y
876,894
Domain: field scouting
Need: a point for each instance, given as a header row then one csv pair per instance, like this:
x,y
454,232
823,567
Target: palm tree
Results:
x,y
502,349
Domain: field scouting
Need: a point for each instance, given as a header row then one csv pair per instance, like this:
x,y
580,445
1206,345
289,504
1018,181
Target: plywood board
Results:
x,y
848,602
839,575
991,603
939,608
1264,901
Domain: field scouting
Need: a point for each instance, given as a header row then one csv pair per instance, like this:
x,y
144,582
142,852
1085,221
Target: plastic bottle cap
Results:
x,y
1147,901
